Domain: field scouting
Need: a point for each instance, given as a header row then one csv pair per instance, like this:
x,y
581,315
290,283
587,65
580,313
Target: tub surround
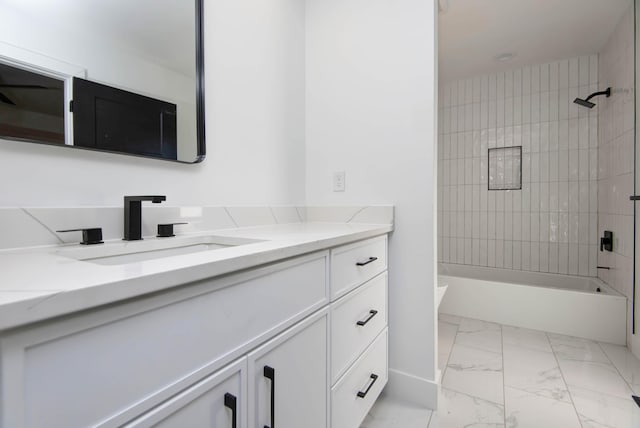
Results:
x,y
39,283
551,225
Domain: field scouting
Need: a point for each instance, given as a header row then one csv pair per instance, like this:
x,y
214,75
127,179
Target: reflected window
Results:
x,y
31,106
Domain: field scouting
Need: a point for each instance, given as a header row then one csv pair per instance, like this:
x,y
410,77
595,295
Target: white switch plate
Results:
x,y
339,181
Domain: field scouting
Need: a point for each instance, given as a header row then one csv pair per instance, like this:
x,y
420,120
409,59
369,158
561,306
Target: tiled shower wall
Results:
x,y
616,156
551,224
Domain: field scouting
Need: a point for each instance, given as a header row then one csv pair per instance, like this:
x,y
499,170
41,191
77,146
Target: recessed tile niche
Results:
x,y
505,168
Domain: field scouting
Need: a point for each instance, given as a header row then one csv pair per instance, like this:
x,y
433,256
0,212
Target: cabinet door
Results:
x,y
288,378
218,401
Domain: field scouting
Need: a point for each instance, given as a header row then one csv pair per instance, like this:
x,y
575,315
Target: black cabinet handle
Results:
x,y
270,373
231,402
372,313
372,379
371,260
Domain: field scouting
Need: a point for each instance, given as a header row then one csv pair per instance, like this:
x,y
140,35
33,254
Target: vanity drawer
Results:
x,y
355,393
116,363
353,264
356,321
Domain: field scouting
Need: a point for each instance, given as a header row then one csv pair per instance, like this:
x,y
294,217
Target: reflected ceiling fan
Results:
x,y
6,100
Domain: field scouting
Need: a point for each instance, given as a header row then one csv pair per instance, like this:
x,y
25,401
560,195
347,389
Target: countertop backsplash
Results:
x,y
29,227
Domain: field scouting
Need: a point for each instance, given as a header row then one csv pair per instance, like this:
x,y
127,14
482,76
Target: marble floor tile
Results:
x,y
480,334
530,339
626,363
601,377
535,372
451,319
456,410
388,412
573,348
475,372
526,410
446,336
470,325
597,410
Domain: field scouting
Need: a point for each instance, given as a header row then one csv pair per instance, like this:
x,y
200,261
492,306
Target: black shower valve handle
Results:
x,y
606,242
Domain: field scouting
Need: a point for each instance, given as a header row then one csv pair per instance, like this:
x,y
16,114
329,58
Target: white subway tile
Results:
x,y
535,79
491,253
553,258
500,225
517,83
535,256
525,255
573,258
593,69
544,78
584,67
574,78
484,88
517,258
477,89
483,252
583,260
475,252
544,257
508,254
499,254
460,250
563,74
461,94
563,258
468,254
508,84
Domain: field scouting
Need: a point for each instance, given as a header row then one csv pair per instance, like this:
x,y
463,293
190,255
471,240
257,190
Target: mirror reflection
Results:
x,y
118,76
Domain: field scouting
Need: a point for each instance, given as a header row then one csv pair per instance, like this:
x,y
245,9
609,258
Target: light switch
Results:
x,y
339,181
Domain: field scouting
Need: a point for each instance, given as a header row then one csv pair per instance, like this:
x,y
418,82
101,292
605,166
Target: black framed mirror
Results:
x,y
118,76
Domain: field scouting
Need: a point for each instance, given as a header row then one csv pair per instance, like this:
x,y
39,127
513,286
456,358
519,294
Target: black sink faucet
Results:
x,y
133,215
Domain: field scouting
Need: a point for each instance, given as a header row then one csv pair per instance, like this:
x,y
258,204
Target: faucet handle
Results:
x,y
166,230
90,236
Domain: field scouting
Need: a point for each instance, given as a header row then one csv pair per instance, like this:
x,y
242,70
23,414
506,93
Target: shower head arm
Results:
x,y
595,94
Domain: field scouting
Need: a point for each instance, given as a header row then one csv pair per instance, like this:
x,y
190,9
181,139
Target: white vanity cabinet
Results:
x,y
218,401
245,350
288,378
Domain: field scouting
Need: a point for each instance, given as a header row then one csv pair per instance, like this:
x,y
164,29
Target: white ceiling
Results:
x,y
473,32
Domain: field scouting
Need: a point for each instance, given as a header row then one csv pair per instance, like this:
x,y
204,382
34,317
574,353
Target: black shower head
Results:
x,y
584,103
589,104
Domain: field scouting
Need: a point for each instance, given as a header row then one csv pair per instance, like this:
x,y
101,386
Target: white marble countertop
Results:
x,y
41,283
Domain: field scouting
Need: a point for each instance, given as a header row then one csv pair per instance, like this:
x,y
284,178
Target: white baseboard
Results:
x,y
412,389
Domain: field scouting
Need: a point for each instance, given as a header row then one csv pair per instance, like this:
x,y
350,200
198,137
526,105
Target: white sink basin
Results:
x,y
120,253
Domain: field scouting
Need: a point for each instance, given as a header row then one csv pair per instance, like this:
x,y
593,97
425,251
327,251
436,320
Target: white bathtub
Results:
x,y
563,304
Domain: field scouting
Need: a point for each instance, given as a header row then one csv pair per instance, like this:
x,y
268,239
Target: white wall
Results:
x,y
616,158
551,224
255,127
371,75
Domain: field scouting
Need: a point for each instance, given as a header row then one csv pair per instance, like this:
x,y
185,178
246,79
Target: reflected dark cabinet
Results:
x,y
111,119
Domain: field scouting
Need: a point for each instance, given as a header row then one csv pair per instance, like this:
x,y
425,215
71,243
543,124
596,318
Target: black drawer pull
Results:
x,y
372,313
270,373
373,379
231,402
371,260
